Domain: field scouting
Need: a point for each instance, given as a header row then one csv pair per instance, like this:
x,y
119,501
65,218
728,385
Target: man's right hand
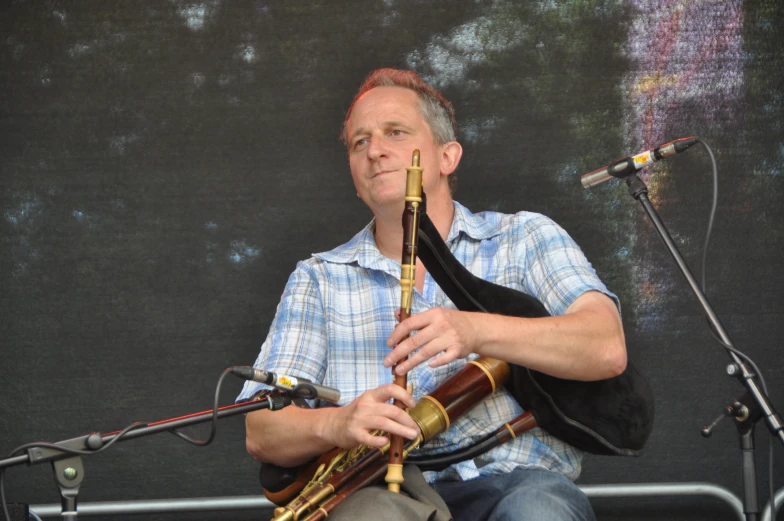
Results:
x,y
353,424
292,436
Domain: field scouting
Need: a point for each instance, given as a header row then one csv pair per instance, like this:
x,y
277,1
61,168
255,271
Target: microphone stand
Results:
x,y
755,404
69,469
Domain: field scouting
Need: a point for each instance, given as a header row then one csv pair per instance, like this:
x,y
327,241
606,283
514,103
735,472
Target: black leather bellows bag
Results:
x,y
611,417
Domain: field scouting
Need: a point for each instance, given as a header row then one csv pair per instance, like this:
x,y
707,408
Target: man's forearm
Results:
x,y
288,437
586,343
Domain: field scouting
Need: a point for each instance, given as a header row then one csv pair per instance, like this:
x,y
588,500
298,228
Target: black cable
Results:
x,y
714,204
213,423
134,425
715,335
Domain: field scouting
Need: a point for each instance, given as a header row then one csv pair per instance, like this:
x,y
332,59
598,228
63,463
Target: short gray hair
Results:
x,y
435,108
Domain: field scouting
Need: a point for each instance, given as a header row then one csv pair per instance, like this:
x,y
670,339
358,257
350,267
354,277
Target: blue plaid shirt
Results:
x,y
338,309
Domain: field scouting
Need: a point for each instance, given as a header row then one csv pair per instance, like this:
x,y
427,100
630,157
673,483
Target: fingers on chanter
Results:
x,y
395,392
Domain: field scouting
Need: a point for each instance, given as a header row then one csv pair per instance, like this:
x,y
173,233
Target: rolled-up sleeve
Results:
x,y
296,344
557,272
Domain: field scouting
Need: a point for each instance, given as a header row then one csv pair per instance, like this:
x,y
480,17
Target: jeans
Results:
x,y
524,494
521,495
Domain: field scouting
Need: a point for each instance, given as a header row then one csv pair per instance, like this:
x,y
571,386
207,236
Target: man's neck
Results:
x,y
389,232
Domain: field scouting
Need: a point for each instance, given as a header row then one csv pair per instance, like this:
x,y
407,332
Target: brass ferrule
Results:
x,y
414,184
407,274
430,416
497,371
414,179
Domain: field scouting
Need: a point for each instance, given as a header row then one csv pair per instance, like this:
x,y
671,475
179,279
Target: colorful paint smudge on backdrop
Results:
x,y
682,53
686,73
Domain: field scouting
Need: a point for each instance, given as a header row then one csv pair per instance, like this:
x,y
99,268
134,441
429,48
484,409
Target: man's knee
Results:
x,y
542,494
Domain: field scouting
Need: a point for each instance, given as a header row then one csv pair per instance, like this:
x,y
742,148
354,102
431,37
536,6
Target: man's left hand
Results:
x,y
449,333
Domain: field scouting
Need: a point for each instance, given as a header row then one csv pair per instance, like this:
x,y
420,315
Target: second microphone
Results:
x,y
297,387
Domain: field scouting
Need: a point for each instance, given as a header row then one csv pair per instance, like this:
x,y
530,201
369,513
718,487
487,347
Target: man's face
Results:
x,y
384,129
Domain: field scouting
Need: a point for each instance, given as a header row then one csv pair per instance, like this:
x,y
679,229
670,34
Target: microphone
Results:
x,y
298,387
629,165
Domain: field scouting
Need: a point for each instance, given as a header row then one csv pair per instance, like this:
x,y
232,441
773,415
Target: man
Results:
x,y
335,323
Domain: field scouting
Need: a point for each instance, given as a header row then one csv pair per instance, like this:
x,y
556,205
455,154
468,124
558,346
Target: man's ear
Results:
x,y
450,157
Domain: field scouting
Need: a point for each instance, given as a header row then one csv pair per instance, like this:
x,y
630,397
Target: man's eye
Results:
x,y
360,143
396,133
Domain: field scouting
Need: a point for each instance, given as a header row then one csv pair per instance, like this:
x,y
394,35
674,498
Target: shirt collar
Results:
x,y
474,226
362,249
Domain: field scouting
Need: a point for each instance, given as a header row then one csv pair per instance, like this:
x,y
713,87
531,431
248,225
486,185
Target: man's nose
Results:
x,y
376,148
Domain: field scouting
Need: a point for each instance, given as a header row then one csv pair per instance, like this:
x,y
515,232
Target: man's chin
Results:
x,y
387,202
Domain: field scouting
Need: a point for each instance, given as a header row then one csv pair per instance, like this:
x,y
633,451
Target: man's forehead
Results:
x,y
394,100
388,90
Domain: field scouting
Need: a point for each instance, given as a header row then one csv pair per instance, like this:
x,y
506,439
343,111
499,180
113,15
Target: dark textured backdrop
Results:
x,y
165,164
